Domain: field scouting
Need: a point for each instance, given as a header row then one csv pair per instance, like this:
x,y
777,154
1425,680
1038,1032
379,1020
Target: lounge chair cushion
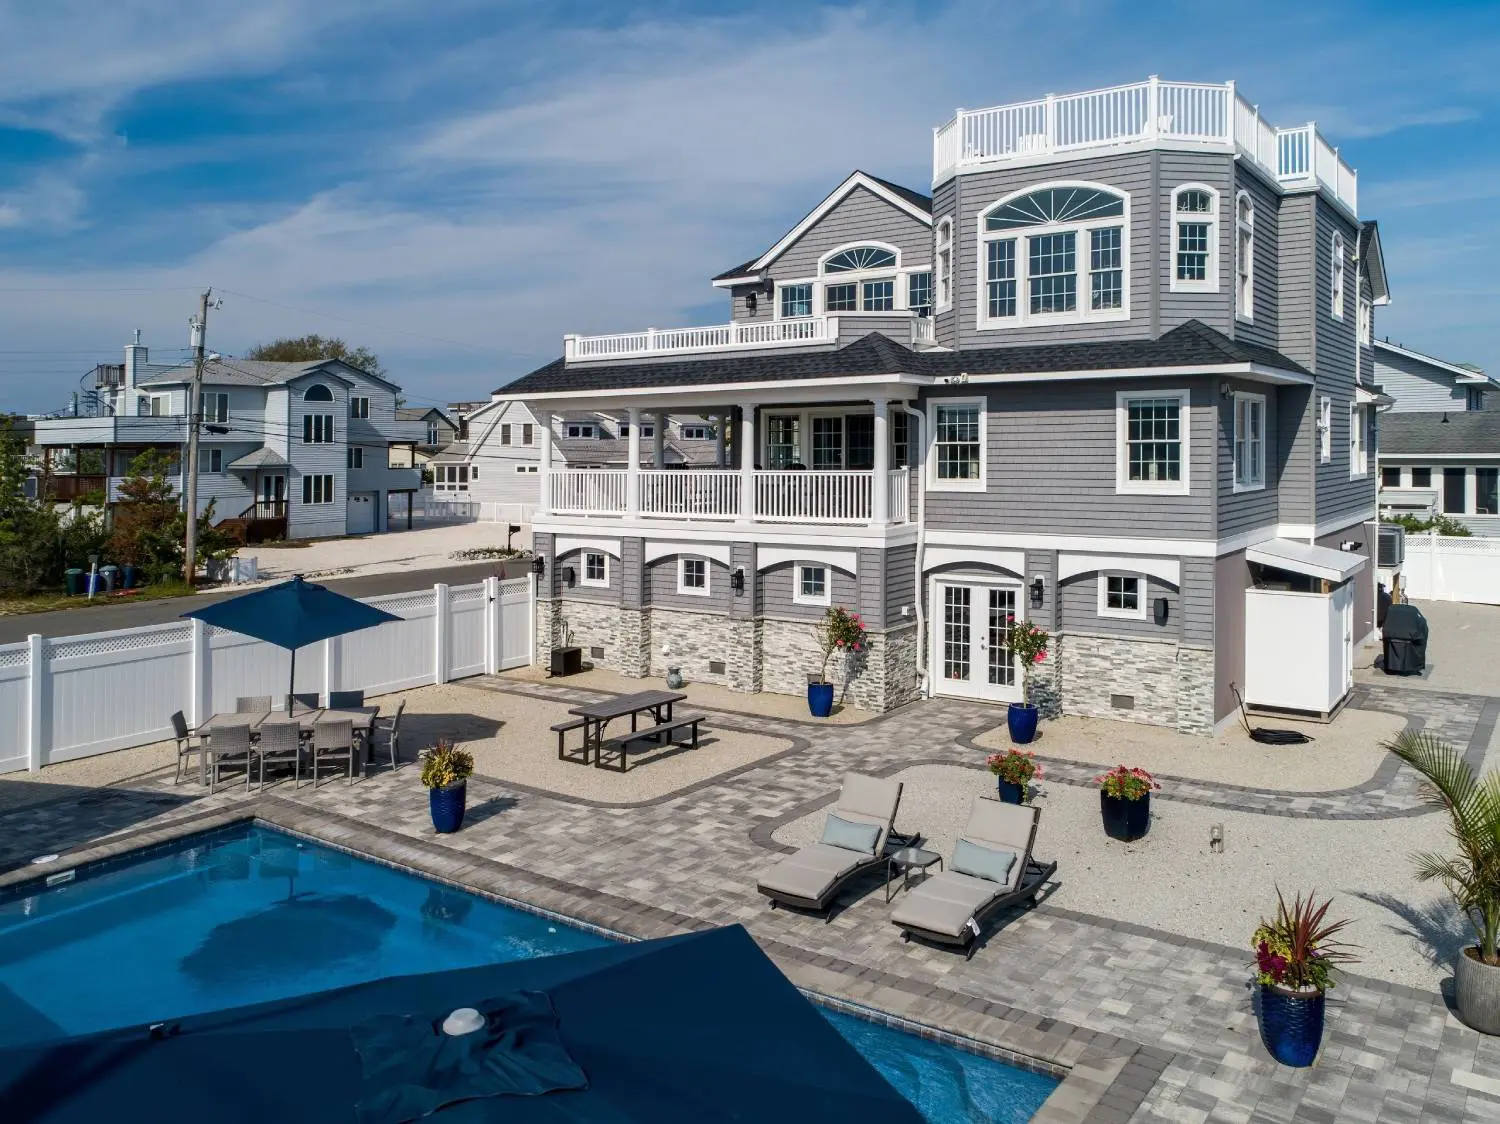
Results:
x,y
1002,827
945,902
861,837
869,800
809,872
983,862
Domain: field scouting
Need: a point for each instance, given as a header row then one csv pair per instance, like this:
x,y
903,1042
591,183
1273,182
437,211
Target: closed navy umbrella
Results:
x,y
291,615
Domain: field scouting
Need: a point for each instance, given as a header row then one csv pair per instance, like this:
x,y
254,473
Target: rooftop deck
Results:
x,y
1175,113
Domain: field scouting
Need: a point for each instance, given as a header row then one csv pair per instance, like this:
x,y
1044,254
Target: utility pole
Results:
x,y
195,421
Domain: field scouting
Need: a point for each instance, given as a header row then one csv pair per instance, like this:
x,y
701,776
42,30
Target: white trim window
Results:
x,y
811,584
919,292
783,440
1366,321
595,569
527,433
1195,239
1336,276
359,407
1053,254
450,477
944,260
1249,442
1151,442
1122,596
861,278
696,433
1359,462
505,434
692,576
1325,430
1244,257
216,407
958,461
317,488
523,468
584,430
795,300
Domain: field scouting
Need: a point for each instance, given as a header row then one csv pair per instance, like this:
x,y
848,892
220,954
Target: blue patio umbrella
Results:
x,y
701,1028
292,615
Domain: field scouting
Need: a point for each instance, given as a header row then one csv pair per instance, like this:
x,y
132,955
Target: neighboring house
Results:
x,y
1440,440
286,449
1114,377
425,430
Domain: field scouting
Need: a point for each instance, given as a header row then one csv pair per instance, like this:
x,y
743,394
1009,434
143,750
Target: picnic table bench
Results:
x,y
593,718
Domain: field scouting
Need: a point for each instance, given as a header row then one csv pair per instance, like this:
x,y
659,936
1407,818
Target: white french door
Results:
x,y
971,656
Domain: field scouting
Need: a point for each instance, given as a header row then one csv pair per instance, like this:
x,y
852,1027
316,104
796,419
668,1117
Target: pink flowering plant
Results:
x,y
1029,643
1298,949
1015,766
1126,783
839,631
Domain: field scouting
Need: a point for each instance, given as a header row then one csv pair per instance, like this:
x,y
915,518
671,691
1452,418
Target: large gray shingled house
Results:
x,y
1112,376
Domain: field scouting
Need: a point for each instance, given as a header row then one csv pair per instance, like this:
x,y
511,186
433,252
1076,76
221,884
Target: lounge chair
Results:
x,y
811,878
951,906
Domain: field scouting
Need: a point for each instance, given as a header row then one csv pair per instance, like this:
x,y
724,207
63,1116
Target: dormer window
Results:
x,y
1195,239
1054,254
1336,276
586,430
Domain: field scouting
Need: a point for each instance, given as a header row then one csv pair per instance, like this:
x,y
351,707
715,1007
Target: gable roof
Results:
x,y
245,372
1191,346
1463,375
1373,258
914,203
1428,433
422,413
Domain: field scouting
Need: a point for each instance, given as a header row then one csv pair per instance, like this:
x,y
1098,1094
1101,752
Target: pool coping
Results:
x,y
1104,1078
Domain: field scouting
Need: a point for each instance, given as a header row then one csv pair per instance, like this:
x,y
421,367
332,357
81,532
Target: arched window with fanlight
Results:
x,y
1195,239
317,393
860,279
1244,256
1059,252
945,263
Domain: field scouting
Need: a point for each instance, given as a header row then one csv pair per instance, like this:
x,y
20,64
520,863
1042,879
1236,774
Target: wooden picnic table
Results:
x,y
597,715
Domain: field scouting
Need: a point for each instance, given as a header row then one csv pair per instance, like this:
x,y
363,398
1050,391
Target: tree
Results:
x,y
308,349
28,526
150,525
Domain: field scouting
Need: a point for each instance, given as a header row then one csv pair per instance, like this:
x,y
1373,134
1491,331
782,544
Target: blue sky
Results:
x,y
456,184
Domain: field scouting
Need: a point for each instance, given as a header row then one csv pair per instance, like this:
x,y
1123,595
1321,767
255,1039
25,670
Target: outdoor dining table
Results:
x,y
597,715
362,718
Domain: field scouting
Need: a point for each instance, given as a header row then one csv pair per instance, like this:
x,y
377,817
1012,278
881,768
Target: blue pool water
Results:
x,y
250,915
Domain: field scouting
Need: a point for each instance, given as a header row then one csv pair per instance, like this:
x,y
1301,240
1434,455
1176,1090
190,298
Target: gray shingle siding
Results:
x,y
1297,452
1416,385
1250,510
860,216
777,584
609,594
1263,328
1051,461
1212,308
944,205
661,577
1079,601
632,573
1295,276
900,584
1338,495
1197,602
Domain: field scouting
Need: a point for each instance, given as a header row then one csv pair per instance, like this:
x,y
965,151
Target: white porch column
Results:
x,y
658,441
880,486
744,440
1471,490
718,421
544,419
633,466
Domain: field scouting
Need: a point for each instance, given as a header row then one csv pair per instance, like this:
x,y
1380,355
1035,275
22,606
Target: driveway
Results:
x,y
1463,651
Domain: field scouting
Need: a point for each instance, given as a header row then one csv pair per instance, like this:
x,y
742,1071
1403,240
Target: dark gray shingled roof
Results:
x,y
1423,433
1190,345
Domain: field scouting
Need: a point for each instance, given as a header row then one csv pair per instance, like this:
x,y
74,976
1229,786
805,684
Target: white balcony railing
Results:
x,y
777,496
718,337
923,331
1143,111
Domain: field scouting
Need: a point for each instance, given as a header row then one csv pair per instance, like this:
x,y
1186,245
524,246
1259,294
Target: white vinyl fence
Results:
x,y
1442,568
430,509
75,696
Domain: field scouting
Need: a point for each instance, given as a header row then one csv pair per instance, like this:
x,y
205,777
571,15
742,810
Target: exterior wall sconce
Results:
x,y
1038,590
751,301
569,576
1161,610
1351,545
539,566
737,580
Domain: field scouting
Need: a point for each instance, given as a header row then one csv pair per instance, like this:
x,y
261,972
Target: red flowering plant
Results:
x,y
1125,783
839,631
1029,643
1298,949
1015,766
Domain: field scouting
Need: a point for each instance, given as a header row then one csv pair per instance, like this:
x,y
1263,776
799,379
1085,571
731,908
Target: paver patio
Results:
x,y
1159,1025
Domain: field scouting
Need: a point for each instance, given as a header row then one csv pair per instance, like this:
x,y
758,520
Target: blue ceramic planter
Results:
x,y
447,807
820,699
1021,718
1011,793
1291,1025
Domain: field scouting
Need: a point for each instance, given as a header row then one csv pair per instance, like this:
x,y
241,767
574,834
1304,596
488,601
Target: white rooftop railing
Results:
x,y
1151,111
718,337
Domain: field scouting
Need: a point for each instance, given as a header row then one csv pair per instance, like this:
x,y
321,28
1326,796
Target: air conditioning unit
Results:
x,y
1392,552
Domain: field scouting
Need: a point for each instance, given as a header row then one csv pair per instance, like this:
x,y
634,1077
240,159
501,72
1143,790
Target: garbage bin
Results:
x,y
1405,640
111,577
130,575
74,579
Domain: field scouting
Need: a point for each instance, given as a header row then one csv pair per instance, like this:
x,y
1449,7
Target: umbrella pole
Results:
x,y
291,686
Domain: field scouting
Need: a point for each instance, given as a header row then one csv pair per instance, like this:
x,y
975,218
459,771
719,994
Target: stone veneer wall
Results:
x,y
1172,685
885,675
693,640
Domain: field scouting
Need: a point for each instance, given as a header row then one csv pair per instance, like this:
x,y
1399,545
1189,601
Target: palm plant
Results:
x,y
1472,876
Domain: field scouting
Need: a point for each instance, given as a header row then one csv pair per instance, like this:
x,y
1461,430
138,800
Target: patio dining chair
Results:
x,y
392,730
338,700
228,745
187,745
252,704
303,700
280,742
333,741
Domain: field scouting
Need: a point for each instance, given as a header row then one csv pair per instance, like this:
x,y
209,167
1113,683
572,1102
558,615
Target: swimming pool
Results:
x,y
249,914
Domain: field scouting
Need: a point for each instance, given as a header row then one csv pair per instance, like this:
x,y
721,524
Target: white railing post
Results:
x,y
333,658
659,440
880,484
1231,112
744,439
530,617
1049,122
633,466
718,440
36,700
1153,106
440,630
492,634
544,504
200,698
570,348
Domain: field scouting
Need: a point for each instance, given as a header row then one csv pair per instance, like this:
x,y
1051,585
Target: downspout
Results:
x,y
917,417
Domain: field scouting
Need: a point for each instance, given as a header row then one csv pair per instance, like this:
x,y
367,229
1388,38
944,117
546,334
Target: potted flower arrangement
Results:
x,y
839,631
1125,801
445,771
1295,954
1029,643
1472,876
1014,771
